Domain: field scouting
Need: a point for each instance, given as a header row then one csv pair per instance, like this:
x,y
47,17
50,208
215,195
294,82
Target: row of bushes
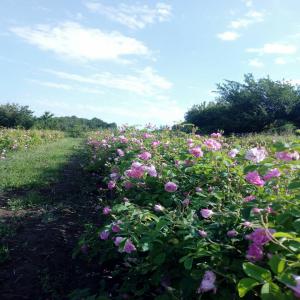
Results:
x,y
194,217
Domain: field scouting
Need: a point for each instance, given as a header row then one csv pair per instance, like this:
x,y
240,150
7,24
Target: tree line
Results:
x,y
249,106
14,115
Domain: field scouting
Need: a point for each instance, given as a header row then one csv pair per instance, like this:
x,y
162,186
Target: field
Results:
x,y
146,214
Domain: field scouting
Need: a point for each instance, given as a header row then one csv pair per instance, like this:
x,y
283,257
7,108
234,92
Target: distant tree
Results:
x,y
14,115
250,106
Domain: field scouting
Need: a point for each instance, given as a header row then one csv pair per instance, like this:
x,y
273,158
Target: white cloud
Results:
x,y
280,61
75,41
250,18
66,87
228,36
274,48
145,82
256,63
133,16
248,3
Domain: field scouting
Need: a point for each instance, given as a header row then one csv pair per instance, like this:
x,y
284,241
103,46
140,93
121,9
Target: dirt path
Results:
x,y
41,264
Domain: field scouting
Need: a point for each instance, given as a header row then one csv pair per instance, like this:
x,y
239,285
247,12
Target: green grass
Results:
x,y
36,167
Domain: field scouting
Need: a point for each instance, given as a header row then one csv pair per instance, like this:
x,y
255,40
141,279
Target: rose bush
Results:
x,y
189,217
16,139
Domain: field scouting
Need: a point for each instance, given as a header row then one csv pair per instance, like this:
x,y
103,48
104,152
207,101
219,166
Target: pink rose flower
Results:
x,y
202,233
273,173
196,151
106,210
104,235
233,153
213,145
254,178
256,154
206,213
145,155
208,283
129,246
170,187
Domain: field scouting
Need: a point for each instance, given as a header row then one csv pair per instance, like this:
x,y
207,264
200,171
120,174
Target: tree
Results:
x,y
14,115
251,106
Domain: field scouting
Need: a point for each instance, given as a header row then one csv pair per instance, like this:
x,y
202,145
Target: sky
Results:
x,y
137,62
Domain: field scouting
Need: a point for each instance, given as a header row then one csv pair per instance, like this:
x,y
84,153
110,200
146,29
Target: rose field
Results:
x,y
149,214
186,216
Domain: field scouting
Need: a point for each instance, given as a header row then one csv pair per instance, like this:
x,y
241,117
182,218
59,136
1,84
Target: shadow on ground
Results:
x,y
40,264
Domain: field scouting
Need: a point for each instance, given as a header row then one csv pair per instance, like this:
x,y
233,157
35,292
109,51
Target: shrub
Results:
x,y
220,223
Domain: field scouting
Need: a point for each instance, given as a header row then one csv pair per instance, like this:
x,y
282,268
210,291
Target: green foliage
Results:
x,y
171,256
14,115
251,106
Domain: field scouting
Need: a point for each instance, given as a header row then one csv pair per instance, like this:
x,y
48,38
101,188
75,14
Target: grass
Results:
x,y
37,167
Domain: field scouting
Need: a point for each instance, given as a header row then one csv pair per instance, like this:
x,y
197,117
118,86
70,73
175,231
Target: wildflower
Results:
x,y
106,210
273,173
145,155
254,178
249,198
208,283
129,246
256,154
196,151
233,153
202,233
206,213
111,185
198,189
213,145
158,208
104,235
170,187
232,233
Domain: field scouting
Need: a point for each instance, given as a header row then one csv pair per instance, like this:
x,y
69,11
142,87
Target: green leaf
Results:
x,y
277,264
256,272
159,259
270,291
294,185
245,285
283,234
188,263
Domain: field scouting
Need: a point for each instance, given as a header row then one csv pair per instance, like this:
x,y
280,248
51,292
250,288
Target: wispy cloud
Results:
x,y
77,42
228,36
274,48
66,87
250,18
144,82
280,61
133,16
256,63
248,3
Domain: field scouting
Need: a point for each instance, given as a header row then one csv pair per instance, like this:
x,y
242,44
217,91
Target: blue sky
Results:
x,y
140,61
